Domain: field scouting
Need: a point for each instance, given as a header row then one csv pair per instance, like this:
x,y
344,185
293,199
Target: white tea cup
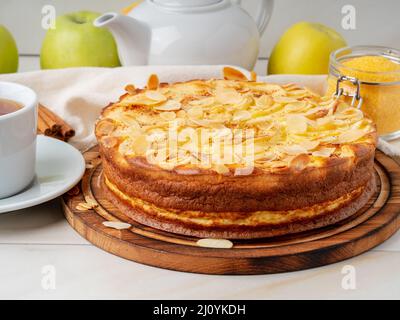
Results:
x,y
17,139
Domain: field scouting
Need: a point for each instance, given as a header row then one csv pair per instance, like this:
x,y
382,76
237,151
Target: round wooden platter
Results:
x,y
372,225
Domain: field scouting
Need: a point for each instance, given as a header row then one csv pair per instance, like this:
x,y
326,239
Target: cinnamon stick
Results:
x,y
49,119
42,126
52,125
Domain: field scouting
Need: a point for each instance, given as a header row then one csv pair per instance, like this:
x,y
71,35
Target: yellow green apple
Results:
x,y
8,52
75,42
304,48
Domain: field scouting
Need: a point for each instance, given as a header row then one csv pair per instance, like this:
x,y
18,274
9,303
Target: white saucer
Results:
x,y
59,167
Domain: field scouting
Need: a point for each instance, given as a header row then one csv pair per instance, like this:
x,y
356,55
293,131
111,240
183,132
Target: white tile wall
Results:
x,y
377,22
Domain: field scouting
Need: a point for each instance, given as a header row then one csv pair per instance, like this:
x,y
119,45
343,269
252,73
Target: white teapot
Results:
x,y
177,32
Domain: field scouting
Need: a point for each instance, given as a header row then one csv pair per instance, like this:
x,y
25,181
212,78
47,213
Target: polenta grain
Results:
x,y
381,98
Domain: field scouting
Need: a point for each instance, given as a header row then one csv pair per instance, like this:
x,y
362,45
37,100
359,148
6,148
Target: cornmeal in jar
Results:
x,y
380,89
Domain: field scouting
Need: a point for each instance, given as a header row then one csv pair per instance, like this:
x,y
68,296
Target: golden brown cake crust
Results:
x,y
295,225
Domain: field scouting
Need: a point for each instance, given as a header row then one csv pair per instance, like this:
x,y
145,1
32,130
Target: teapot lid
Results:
x,y
186,3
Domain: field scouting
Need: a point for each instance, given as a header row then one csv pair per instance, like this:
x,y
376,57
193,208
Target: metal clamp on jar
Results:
x,y
356,97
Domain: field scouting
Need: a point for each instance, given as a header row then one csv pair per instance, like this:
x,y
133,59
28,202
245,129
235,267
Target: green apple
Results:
x,y
8,52
304,48
75,42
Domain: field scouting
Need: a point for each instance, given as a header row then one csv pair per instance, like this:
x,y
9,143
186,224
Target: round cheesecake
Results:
x,y
233,158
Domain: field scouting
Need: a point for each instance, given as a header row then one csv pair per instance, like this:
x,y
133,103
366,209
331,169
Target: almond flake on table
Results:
x,y
215,243
117,225
85,206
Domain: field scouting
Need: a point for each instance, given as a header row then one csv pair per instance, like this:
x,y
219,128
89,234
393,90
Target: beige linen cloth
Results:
x,y
78,94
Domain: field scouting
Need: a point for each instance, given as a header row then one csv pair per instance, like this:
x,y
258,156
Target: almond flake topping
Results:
x,y
299,162
109,142
233,74
323,152
350,136
170,105
155,96
245,171
195,112
130,88
168,116
221,169
294,150
241,115
153,82
105,127
296,123
346,151
290,125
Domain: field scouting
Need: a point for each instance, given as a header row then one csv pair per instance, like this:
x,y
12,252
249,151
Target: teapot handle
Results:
x,y
263,15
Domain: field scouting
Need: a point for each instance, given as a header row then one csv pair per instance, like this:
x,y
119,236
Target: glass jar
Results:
x,y
369,78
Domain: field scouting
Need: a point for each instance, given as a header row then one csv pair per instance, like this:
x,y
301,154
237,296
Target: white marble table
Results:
x,y
37,244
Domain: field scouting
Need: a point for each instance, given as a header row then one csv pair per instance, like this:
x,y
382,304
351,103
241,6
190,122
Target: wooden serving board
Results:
x,y
372,225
